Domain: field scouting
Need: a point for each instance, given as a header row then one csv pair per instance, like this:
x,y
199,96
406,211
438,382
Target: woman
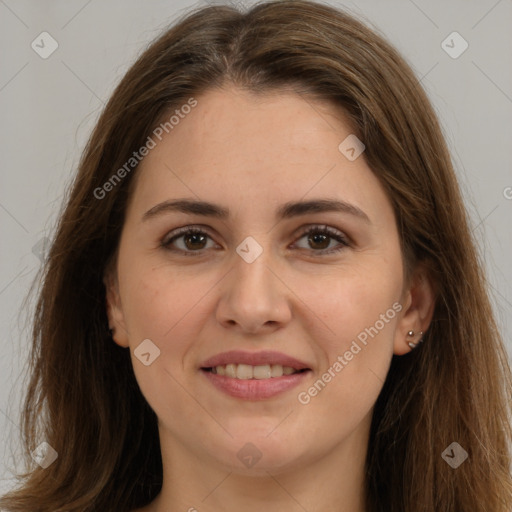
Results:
x,y
263,291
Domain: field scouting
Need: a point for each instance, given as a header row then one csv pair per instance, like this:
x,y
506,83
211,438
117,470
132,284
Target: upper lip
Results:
x,y
254,359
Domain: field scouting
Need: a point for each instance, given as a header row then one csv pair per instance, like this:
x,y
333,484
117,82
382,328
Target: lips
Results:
x,y
254,375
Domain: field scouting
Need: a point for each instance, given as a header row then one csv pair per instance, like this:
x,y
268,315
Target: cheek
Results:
x,y
347,301
354,324
157,302
145,306
163,307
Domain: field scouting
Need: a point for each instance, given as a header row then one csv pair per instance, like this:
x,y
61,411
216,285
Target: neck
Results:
x,y
322,483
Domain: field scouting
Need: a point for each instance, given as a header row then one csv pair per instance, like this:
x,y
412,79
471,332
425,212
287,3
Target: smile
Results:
x,y
247,371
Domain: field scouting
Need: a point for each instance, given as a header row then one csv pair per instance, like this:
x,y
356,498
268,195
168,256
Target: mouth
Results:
x,y
250,372
254,376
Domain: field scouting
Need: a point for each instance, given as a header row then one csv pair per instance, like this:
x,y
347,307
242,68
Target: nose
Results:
x,y
254,297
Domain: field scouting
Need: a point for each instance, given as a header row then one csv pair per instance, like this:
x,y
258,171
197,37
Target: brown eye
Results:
x,y
195,240
319,238
187,240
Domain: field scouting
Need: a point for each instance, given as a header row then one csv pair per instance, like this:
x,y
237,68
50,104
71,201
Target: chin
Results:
x,y
258,454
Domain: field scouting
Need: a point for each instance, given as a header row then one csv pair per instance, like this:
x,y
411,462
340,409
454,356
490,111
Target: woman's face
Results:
x,y
253,290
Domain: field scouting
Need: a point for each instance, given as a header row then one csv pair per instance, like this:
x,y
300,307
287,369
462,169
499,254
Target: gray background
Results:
x,y
48,107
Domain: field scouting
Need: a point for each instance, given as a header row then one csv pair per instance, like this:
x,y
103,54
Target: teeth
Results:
x,y
230,370
276,370
247,371
244,371
262,372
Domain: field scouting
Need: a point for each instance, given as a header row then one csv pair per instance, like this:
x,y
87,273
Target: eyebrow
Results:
x,y
285,211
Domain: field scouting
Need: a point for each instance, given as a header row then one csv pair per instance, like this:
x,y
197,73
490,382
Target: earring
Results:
x,y
411,335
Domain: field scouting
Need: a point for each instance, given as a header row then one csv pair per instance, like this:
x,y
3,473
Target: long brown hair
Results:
x,y
83,398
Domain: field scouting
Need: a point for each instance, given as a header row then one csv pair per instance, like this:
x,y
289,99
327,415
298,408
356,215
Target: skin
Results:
x,y
251,154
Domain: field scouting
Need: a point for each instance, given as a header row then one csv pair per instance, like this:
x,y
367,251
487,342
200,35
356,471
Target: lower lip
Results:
x,y
255,389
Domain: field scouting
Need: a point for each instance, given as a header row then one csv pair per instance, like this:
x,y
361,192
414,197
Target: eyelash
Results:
x,y
317,229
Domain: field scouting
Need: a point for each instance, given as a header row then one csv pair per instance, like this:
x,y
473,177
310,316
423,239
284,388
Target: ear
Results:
x,y
115,313
418,301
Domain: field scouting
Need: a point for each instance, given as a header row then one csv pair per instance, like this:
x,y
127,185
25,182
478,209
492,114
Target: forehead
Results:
x,y
233,122
238,147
